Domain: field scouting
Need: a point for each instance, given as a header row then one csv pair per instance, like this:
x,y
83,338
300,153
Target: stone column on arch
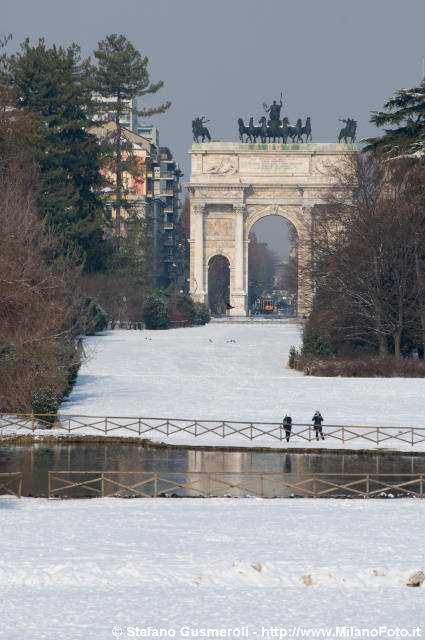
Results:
x,y
305,283
197,281
238,294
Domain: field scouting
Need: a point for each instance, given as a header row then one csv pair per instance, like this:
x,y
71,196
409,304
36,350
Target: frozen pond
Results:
x,y
35,461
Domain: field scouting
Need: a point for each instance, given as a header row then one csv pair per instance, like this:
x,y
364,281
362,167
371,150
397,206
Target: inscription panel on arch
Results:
x,y
274,165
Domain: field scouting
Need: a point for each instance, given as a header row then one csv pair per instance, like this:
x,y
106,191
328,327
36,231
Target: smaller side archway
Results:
x,y
218,284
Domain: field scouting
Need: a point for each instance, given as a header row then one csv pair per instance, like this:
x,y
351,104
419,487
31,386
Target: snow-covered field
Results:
x,y
232,372
73,570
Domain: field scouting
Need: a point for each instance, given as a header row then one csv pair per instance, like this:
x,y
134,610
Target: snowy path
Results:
x,y
74,569
200,374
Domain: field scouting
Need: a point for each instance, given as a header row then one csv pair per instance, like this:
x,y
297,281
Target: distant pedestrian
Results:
x,y
317,424
287,425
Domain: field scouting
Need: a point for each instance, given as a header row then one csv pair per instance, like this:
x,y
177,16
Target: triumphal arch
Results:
x,y
232,185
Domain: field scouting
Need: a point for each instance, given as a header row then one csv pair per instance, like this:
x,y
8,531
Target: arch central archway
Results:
x,y
272,267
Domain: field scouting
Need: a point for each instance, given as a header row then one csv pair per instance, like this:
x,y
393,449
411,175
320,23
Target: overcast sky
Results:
x,y
223,58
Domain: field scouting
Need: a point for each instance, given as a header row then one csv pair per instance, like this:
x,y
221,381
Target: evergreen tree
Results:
x,y
121,75
54,85
405,113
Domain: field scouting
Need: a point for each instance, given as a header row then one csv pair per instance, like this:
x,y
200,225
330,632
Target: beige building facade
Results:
x,y
233,185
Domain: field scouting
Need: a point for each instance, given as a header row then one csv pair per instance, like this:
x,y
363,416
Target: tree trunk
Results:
x,y
420,286
383,350
118,173
397,339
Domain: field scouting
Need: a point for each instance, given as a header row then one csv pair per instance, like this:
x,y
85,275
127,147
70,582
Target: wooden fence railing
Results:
x,y
11,483
152,484
273,431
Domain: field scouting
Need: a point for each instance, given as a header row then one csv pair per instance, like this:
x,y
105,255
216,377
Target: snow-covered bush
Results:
x,y
155,313
45,401
293,355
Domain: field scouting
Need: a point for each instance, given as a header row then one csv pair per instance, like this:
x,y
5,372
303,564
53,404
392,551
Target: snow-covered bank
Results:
x,y
75,569
232,372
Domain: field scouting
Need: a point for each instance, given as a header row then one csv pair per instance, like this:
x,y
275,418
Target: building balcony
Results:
x,y
168,225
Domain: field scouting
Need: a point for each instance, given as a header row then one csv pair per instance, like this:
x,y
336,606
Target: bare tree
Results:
x,y
365,262
38,299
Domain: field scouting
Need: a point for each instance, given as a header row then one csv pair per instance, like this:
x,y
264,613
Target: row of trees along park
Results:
x,y
55,255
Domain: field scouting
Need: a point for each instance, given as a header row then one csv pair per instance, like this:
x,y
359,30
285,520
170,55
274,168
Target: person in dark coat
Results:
x,y
287,425
317,424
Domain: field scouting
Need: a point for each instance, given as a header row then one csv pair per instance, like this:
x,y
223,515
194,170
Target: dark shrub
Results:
x,y
314,342
155,313
92,317
185,304
203,315
363,367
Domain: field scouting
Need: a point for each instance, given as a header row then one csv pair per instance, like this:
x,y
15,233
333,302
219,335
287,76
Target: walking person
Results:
x,y
287,425
317,424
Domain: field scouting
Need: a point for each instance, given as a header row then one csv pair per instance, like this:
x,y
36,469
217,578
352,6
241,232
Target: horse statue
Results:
x,y
299,130
349,131
253,130
307,129
263,133
285,130
199,130
288,131
243,130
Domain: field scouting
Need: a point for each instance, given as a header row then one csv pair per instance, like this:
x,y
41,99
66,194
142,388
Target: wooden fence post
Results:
x,y
48,484
367,486
102,485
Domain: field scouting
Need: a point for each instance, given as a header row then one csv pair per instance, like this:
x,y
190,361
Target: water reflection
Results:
x,y
36,460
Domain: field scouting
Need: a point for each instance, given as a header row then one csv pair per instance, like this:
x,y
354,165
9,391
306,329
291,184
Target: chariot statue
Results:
x,y
275,128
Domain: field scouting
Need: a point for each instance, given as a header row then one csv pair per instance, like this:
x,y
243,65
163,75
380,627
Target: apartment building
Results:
x,y
155,191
